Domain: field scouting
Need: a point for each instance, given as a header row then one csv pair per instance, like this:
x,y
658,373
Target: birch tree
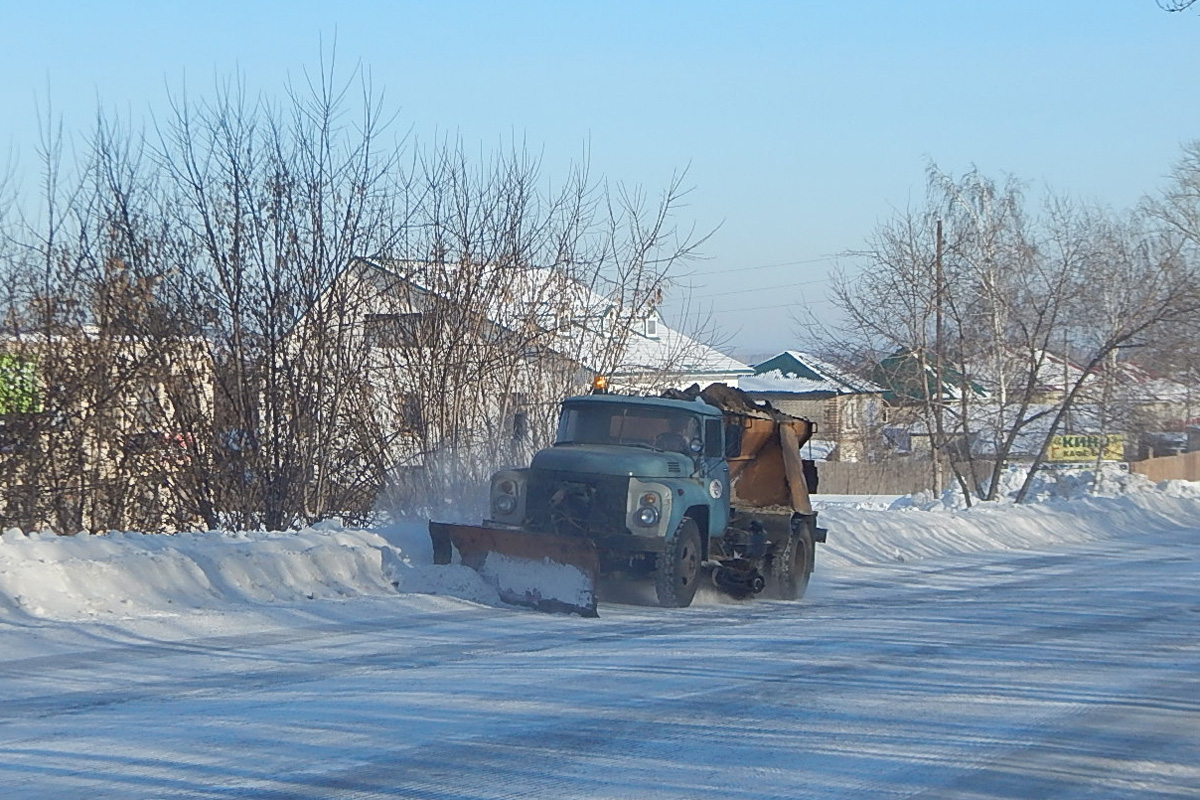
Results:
x,y
1135,284
1009,289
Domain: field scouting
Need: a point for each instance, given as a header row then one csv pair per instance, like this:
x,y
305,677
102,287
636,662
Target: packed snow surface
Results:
x,y
1001,650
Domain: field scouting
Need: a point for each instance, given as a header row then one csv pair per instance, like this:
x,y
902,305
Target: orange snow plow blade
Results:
x,y
540,570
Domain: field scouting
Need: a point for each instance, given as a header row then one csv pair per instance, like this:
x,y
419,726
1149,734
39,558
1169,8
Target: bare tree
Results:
x,y
86,451
1135,284
272,205
267,314
506,299
985,307
897,309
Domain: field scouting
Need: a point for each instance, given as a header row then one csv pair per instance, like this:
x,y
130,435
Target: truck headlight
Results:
x,y
647,513
506,496
647,507
647,516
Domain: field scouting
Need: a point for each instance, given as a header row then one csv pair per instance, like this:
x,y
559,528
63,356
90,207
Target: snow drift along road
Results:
x,y
119,575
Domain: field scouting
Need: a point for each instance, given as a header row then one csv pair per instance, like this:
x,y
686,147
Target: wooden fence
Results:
x,y
908,477
887,477
846,477
1184,467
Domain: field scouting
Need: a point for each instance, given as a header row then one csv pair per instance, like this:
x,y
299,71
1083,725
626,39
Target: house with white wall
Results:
x,y
465,364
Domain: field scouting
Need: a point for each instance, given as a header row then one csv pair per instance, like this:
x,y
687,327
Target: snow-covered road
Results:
x,y
1070,670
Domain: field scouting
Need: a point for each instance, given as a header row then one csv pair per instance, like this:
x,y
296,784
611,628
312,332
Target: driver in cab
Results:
x,y
678,439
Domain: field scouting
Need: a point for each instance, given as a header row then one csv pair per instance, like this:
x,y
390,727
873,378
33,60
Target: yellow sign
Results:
x,y
1089,447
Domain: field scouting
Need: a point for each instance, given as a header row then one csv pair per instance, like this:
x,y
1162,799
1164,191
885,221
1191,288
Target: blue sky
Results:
x,y
802,124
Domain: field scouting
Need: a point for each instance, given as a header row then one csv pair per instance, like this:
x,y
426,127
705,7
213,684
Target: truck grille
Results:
x,y
577,504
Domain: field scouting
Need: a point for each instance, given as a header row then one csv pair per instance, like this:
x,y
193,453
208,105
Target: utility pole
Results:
x,y
939,429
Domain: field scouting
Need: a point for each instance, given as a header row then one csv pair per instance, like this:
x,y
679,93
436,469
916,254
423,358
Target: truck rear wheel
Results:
x,y
791,568
678,569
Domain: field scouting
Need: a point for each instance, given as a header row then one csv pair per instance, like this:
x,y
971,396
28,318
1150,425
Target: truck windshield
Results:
x,y
646,426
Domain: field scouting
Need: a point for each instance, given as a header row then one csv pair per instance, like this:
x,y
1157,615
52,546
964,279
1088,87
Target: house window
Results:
x,y
148,411
547,317
651,327
408,412
518,417
392,330
520,426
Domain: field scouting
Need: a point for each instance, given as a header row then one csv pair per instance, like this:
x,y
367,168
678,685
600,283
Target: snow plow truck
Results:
x,y
688,487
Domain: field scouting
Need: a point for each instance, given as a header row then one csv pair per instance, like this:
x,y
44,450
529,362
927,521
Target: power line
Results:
x,y
817,260
796,304
758,289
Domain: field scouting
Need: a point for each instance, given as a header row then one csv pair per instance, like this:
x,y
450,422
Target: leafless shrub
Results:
x,y
264,314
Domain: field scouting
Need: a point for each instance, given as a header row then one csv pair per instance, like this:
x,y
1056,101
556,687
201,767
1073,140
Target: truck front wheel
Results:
x,y
791,568
678,568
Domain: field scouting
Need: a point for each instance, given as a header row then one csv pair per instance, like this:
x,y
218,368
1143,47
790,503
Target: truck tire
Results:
x,y
678,569
791,568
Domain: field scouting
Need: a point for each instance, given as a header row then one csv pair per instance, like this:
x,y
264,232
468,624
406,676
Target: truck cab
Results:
x,y
623,471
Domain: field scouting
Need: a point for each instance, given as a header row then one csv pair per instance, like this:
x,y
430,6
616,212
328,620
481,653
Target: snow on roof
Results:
x,y
1058,374
776,381
584,334
907,376
1134,379
1054,372
795,372
679,352
511,292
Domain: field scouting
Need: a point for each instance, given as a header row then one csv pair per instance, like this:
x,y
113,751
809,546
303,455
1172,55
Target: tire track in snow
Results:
x,y
733,709
544,758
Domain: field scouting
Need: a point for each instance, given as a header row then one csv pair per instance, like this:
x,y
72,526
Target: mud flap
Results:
x,y
551,573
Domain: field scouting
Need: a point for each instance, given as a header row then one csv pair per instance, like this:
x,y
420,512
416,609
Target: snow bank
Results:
x,y
135,574
126,575
1063,506
859,538
1052,485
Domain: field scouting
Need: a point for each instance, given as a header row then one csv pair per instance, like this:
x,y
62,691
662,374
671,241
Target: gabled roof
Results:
x,y
900,376
587,337
1055,374
1136,380
680,353
794,372
511,292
